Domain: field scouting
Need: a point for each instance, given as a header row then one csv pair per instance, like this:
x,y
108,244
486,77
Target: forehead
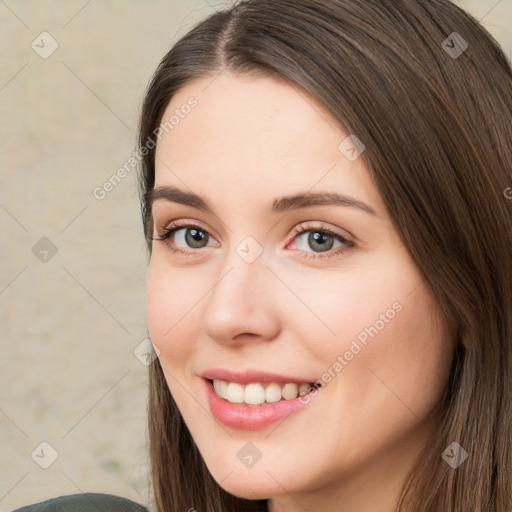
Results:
x,y
247,113
254,137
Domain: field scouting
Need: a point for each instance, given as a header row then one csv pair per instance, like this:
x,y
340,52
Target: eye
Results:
x,y
192,236
321,240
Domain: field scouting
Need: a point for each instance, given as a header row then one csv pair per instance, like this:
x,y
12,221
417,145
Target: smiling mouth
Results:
x,y
258,393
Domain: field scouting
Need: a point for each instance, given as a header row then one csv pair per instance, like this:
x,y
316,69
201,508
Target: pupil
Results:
x,y
194,236
320,239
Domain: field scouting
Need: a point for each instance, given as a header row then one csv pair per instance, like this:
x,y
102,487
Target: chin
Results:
x,y
256,483
248,486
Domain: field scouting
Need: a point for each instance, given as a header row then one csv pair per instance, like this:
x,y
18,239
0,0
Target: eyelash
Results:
x,y
299,230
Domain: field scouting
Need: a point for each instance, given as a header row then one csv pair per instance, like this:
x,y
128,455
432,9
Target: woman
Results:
x,y
376,376
407,325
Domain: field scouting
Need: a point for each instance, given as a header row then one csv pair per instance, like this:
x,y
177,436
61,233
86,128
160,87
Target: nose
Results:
x,y
241,307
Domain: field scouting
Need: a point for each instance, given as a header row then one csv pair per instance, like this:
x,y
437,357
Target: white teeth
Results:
x,y
256,393
235,393
221,388
273,393
290,391
303,389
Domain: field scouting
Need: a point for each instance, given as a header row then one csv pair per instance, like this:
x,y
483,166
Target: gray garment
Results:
x,y
86,502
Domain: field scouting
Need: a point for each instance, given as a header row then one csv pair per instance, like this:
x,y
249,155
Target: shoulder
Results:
x,y
86,502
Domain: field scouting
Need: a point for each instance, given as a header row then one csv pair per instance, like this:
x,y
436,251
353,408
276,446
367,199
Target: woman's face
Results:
x,y
246,299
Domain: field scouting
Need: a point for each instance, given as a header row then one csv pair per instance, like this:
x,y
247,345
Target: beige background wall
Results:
x,y
72,272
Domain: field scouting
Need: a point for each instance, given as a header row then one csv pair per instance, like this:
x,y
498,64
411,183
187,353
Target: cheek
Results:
x,y
388,337
354,308
170,312
157,306
417,352
397,361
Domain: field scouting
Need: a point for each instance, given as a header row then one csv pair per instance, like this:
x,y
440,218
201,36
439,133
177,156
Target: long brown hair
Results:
x,y
434,110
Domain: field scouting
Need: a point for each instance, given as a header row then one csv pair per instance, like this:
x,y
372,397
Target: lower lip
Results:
x,y
246,417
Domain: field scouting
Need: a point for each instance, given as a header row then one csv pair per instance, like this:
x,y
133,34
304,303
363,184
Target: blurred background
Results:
x,y
74,352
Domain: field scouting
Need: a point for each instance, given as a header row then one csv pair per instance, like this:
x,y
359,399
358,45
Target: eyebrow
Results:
x,y
279,205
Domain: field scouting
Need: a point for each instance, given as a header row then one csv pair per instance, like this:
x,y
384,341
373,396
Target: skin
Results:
x,y
247,142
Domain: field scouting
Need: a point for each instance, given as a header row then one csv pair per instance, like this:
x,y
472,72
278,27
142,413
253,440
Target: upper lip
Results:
x,y
248,376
